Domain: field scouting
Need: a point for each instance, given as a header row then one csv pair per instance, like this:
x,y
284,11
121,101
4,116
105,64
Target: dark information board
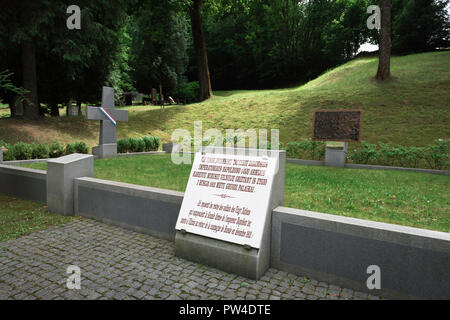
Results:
x,y
337,125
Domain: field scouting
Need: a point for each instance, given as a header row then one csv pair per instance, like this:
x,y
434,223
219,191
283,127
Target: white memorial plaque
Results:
x,y
227,197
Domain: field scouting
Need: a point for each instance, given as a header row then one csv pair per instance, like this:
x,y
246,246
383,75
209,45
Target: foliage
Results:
x,y
151,143
70,148
436,155
365,153
81,147
187,92
306,149
158,49
123,145
56,150
7,86
146,143
22,151
40,151
419,25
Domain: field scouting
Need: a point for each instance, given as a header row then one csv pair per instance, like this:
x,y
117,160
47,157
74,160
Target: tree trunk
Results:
x,y
200,50
54,110
79,107
30,103
384,63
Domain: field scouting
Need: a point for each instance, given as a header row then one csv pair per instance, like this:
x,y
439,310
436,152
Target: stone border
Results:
x,y
24,183
144,209
414,263
20,162
368,166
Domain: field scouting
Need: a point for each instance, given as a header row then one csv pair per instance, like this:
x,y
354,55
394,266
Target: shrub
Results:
x,y
56,150
151,143
385,154
306,148
81,147
22,151
156,143
8,151
187,91
414,156
70,148
437,154
365,153
136,145
123,145
40,151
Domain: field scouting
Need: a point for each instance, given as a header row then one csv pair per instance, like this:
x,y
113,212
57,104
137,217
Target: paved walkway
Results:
x,y
122,264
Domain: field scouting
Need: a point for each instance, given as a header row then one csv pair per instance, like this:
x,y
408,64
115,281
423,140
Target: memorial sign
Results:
x,y
228,197
337,125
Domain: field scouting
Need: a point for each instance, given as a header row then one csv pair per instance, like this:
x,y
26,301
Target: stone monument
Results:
x,y
108,117
225,217
337,125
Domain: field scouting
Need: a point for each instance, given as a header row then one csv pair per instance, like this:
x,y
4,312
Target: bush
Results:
x,y
56,150
437,154
306,149
136,145
156,143
151,143
8,151
22,151
188,92
123,145
40,151
365,153
70,148
81,147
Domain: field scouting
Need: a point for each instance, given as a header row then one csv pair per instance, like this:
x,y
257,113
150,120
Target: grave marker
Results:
x,y
225,216
337,125
108,117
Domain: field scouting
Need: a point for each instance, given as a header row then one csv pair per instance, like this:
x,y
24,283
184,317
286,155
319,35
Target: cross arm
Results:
x,y
94,113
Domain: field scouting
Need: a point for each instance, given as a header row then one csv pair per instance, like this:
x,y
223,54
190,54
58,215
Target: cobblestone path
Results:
x,y
120,264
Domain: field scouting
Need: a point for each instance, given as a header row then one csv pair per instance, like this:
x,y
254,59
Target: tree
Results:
x,y
158,52
384,63
195,12
420,25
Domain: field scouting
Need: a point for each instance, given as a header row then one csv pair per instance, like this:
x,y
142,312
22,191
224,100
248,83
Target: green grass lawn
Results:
x,y
407,198
21,217
411,109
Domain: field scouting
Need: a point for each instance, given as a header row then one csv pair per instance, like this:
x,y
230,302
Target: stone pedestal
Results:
x,y
171,147
335,156
108,150
60,174
231,257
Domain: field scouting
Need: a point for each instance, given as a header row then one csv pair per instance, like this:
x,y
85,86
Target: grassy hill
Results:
x,y
411,109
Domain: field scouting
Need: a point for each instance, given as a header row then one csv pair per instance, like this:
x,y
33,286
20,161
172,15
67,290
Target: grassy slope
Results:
x,y
411,109
406,198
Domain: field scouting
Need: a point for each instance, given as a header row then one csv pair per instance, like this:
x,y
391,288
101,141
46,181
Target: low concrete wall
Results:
x,y
414,263
143,209
23,183
367,166
21,162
